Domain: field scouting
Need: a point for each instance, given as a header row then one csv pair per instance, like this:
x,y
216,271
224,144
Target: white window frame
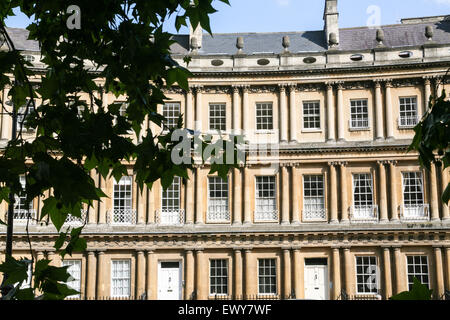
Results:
x,y
311,118
366,274
224,278
273,278
359,120
168,195
409,117
217,117
264,123
123,193
419,177
74,270
319,207
121,279
218,206
362,205
27,283
21,114
171,111
420,274
266,202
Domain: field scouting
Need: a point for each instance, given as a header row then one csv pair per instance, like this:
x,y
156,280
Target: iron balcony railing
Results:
x,y
415,212
356,124
74,221
314,214
218,216
170,217
364,213
21,216
266,216
122,217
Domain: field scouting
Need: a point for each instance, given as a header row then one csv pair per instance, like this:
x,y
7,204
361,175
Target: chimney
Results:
x,y
331,19
195,36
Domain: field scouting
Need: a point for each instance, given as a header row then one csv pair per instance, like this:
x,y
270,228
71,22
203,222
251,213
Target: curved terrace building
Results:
x,y
328,205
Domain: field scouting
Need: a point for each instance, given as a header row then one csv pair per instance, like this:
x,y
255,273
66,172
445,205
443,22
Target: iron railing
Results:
x,y
266,216
122,217
364,214
415,213
170,217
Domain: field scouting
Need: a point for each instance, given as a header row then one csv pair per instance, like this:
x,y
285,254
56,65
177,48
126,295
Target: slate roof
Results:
x,y
351,39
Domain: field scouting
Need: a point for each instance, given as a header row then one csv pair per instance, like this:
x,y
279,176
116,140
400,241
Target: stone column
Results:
x,y
293,112
447,268
295,195
389,111
333,194
190,197
190,272
434,194
198,108
283,114
237,274
141,203
247,195
199,219
92,211
387,272
439,272
445,209
140,273
91,275
151,205
100,275
393,182
6,118
349,275
344,194
151,276
439,86
285,195
298,274
379,111
102,209
237,196
340,112
336,273
245,111
236,109
399,286
427,94
189,110
201,278
248,272
287,273
383,193
330,113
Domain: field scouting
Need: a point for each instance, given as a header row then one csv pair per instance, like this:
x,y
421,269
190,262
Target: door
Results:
x,y
316,281
169,281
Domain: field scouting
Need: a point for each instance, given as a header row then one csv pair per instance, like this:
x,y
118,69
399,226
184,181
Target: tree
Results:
x,y
432,136
125,43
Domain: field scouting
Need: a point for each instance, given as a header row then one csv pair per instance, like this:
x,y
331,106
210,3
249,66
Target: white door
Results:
x,y
316,282
169,281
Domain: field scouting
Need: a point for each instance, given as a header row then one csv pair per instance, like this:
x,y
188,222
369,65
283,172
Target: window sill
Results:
x,y
265,132
407,127
359,129
312,130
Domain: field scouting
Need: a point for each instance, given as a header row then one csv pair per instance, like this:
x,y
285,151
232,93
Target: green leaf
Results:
x,y
16,270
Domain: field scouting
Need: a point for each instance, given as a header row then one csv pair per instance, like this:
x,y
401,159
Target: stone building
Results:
x,y
328,202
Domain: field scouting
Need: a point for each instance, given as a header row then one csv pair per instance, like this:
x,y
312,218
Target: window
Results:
x,y
408,112
23,113
359,114
27,283
264,116
171,196
171,111
311,115
366,275
267,276
22,210
122,202
74,270
120,278
217,117
418,268
313,197
266,202
218,277
123,194
218,199
362,195
412,189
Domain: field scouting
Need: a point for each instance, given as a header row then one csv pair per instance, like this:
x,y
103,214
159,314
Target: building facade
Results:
x,y
328,203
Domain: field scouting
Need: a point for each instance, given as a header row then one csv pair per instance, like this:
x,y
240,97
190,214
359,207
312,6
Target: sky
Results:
x,y
303,15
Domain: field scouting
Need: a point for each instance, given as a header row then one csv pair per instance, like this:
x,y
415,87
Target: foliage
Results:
x,y
433,135
418,291
124,42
